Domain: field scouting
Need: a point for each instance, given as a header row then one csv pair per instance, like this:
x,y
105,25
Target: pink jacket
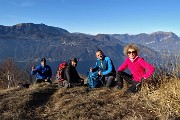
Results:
x,y
139,68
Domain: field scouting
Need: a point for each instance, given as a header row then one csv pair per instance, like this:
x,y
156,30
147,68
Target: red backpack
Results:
x,y
60,72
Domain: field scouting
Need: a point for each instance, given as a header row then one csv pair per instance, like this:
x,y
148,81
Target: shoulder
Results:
x,y
127,60
107,58
38,67
140,59
47,66
68,67
97,59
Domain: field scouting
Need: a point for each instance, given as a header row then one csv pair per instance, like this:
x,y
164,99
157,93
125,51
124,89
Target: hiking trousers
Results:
x,y
67,84
109,80
42,80
135,86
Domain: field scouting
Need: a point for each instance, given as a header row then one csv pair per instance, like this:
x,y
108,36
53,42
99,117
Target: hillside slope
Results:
x,y
52,103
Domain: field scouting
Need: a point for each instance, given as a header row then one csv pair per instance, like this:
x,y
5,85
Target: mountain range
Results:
x,y
167,42
29,41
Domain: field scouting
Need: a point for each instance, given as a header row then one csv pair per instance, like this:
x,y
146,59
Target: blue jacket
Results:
x,y
105,66
43,72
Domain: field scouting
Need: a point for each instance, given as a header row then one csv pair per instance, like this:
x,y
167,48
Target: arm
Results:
x,y
34,71
148,67
49,73
109,67
96,67
124,66
67,74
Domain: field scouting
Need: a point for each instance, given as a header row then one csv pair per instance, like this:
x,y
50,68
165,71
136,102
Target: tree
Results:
x,y
11,75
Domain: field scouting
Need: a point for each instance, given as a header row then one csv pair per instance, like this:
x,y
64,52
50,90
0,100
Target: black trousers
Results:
x,y
67,84
135,86
42,80
108,81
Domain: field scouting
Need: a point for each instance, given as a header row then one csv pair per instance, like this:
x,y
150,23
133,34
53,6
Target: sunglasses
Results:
x,y
133,52
99,55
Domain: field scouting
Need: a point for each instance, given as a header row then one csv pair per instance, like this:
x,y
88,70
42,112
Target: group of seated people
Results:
x,y
103,73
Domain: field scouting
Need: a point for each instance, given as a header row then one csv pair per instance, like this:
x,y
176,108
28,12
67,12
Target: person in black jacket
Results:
x,y
71,77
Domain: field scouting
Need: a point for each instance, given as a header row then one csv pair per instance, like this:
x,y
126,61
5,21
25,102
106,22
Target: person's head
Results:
x,y
99,54
131,50
43,62
73,62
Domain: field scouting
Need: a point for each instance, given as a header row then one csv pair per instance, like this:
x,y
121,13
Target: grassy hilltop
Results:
x,y
155,101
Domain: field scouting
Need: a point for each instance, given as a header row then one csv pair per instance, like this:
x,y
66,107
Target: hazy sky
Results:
x,y
95,16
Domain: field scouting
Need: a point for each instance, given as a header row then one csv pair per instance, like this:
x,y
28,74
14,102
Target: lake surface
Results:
x,y
83,66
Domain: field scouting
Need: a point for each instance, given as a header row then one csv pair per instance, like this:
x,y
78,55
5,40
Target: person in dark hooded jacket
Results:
x,y
71,76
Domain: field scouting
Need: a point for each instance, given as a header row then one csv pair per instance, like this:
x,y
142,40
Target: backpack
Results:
x,y
94,80
60,75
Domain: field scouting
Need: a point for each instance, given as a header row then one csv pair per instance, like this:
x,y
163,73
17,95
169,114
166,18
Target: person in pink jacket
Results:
x,y
139,68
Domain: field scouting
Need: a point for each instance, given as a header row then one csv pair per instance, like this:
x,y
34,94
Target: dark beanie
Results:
x,y
43,60
74,59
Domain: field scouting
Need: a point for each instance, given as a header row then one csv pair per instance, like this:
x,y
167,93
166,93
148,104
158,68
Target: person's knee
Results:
x,y
110,81
38,81
120,73
66,84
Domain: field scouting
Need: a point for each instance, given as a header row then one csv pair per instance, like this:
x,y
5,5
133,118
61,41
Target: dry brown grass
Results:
x,y
18,103
53,103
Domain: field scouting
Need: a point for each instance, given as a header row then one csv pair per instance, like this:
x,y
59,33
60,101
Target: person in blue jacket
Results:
x,y
105,68
43,72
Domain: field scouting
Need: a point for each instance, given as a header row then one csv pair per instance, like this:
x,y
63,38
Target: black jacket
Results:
x,y
71,74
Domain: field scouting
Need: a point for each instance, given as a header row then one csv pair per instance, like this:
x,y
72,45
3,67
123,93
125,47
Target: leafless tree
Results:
x,y
11,74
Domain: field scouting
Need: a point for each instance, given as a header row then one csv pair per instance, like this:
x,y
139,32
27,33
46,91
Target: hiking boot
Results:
x,y
128,93
137,84
88,90
85,85
138,87
119,87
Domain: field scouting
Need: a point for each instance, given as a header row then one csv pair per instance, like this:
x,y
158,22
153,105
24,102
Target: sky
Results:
x,y
95,16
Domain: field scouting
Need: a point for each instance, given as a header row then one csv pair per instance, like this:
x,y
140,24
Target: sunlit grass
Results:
x,y
158,99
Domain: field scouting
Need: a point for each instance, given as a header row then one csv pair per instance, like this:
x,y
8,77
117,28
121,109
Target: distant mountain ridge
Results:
x,y
29,41
30,30
159,41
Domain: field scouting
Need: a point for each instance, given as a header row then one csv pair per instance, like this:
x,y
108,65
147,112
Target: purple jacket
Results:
x,y
138,67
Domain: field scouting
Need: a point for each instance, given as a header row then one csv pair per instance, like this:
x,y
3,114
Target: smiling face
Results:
x,y
131,53
73,63
99,55
43,63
